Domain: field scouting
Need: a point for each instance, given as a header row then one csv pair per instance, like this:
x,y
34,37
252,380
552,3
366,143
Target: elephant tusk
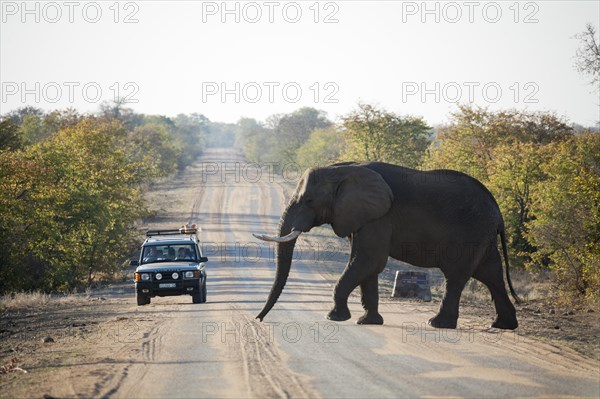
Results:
x,y
292,236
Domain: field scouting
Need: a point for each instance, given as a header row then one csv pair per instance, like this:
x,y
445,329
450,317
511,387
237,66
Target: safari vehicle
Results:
x,y
170,263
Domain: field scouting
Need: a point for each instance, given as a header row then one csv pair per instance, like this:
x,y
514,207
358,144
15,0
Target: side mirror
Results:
x,y
134,262
203,259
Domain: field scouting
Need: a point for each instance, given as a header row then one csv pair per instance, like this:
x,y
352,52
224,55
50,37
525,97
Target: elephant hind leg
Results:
x,y
489,273
447,316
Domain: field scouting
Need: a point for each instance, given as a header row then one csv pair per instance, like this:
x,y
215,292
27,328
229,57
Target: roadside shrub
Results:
x,y
566,227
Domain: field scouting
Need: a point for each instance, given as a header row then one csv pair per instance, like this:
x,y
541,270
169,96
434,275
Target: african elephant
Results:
x,y
440,218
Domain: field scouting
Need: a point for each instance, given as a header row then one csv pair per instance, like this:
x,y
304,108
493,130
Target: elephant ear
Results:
x,y
361,196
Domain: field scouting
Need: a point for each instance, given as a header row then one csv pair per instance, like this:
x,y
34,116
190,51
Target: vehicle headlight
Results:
x,y
175,276
158,276
191,274
142,276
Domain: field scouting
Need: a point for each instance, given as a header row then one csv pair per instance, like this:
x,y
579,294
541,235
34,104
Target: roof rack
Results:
x,y
186,230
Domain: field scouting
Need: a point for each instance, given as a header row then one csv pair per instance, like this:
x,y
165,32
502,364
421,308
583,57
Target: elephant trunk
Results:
x,y
284,253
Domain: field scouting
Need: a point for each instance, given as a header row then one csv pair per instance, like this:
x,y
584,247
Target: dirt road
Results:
x,y
217,349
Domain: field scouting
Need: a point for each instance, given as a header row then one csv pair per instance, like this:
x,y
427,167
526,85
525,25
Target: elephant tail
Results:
x,y
505,253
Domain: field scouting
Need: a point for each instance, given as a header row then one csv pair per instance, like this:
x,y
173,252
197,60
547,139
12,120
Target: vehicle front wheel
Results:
x,y
197,298
204,291
142,299
200,297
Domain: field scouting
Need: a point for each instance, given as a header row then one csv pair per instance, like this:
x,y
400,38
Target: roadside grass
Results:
x,y
529,286
23,300
28,300
20,301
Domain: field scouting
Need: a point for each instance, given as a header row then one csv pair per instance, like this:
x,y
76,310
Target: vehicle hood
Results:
x,y
167,266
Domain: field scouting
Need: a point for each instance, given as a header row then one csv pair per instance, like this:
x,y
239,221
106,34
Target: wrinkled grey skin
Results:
x,y
442,218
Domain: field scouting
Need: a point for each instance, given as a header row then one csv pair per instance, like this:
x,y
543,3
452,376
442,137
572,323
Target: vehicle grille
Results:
x,y
167,276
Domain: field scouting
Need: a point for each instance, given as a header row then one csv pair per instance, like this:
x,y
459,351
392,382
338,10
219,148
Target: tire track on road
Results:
x,y
265,371
133,371
265,361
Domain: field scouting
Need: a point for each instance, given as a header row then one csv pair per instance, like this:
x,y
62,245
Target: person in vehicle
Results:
x,y
184,254
153,255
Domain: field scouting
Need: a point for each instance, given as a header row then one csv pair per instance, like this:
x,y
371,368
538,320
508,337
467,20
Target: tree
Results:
x,y
292,130
90,198
19,114
59,119
117,109
32,129
566,227
253,138
464,145
21,194
514,172
153,148
10,139
587,56
34,125
67,207
503,150
467,144
279,138
323,147
373,134
190,132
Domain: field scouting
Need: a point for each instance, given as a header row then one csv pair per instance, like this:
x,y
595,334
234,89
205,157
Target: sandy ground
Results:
x,y
105,346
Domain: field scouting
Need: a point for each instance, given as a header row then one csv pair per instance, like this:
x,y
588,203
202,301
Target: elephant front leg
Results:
x,y
370,250
369,290
343,288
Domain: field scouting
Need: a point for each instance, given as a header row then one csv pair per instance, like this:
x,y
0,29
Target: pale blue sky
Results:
x,y
179,56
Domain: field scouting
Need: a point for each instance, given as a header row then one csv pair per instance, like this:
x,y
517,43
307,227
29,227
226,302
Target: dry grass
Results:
x,y
24,300
528,286
20,301
532,286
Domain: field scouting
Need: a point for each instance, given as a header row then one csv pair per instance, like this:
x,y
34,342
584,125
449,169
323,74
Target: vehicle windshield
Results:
x,y
169,253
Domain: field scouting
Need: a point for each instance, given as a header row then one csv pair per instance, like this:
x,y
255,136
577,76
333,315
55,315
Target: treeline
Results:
x,y
72,185
307,137
544,172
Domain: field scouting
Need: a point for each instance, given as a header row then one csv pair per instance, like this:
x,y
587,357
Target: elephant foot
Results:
x,y
442,322
339,314
504,324
370,318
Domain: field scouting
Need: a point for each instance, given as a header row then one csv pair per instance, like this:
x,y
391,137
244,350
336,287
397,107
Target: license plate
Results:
x,y
167,285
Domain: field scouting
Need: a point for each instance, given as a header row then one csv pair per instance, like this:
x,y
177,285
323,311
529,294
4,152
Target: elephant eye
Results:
x,y
309,201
